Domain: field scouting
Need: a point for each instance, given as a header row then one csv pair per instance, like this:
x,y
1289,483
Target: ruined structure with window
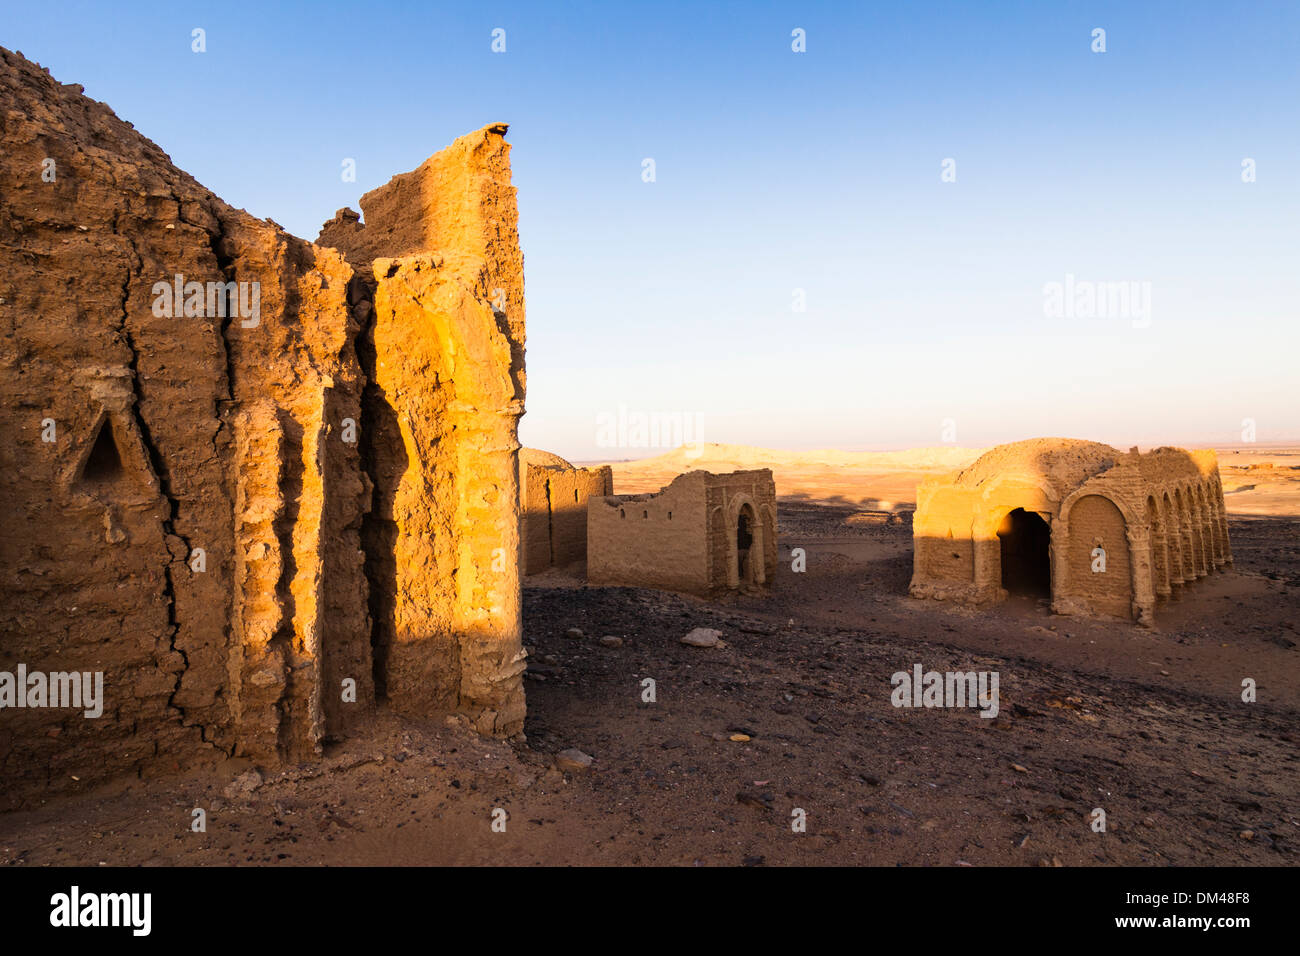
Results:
x,y
553,504
1096,530
252,526
704,533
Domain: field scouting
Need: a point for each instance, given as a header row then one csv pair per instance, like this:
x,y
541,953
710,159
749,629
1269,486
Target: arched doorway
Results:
x,y
745,544
1025,540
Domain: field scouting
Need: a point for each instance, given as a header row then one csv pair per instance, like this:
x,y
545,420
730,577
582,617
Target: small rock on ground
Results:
x,y
704,637
573,760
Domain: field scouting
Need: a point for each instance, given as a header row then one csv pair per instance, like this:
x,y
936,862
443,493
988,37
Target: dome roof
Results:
x,y
542,459
1061,463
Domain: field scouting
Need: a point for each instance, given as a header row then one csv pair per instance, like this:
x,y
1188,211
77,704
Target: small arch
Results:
x,y
1197,531
747,532
1187,545
1102,573
745,539
1173,539
1159,548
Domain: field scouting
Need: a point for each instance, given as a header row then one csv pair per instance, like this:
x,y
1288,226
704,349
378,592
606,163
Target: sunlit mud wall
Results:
x,y
183,445
702,533
441,277
1096,530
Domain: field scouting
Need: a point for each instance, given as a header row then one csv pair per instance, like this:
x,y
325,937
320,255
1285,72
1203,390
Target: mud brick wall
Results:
x,y
553,497
683,538
197,502
569,493
442,284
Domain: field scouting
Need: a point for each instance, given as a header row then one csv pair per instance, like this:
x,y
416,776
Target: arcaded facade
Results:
x,y
553,504
702,534
1097,530
253,482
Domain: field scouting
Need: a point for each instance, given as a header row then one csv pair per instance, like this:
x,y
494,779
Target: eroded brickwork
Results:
x,y
242,469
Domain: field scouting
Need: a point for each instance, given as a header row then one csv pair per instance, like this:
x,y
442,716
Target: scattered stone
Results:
x,y
1019,769
611,641
552,778
573,760
704,637
574,632
739,738
244,784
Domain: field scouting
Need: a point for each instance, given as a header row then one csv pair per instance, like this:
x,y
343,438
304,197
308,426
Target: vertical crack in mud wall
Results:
x,y
444,360
187,465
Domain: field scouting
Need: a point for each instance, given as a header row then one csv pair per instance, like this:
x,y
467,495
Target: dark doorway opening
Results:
x,y
1026,567
103,463
744,540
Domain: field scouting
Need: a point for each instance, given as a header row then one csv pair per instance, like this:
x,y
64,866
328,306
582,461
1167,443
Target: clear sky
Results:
x,y
777,171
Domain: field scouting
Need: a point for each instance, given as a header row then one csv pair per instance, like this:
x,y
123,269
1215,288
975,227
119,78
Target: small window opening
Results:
x,y
104,463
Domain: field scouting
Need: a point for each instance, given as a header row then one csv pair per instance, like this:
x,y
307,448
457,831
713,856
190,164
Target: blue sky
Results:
x,y
778,171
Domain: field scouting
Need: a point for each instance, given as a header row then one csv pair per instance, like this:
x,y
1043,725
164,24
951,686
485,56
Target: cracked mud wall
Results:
x,y
213,507
171,433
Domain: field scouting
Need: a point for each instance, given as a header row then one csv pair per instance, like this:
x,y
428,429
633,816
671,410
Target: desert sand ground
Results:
x,y
1146,724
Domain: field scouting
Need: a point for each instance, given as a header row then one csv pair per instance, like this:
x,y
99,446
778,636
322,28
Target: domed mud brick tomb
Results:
x,y
1095,530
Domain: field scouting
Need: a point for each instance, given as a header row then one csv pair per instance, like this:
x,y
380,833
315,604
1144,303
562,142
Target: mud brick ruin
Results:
x,y
553,501
702,534
242,470
1099,530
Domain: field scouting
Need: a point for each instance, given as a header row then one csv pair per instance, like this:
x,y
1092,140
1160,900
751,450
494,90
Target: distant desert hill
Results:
x,y
871,479
712,456
1256,480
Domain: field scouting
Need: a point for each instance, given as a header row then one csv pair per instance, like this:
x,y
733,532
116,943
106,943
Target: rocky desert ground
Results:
x,y
793,713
